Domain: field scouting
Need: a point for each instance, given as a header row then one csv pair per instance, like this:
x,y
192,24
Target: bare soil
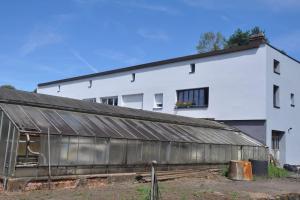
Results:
x,y
182,189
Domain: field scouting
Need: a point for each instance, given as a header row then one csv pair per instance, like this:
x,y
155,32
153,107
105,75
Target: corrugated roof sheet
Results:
x,y
38,113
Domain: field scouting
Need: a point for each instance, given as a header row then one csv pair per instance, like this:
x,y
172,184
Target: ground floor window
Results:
x,y
110,100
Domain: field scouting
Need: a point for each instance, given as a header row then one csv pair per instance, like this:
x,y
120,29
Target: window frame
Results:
x,y
105,100
132,77
276,97
276,66
192,68
90,83
292,100
194,94
155,106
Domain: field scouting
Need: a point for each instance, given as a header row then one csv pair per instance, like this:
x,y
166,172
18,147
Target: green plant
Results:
x,y
234,195
144,192
183,104
276,172
225,171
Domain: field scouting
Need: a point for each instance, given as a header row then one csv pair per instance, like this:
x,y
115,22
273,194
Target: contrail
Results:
x,y
84,61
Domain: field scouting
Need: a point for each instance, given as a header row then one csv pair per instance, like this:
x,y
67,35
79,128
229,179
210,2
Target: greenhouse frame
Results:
x,y
42,135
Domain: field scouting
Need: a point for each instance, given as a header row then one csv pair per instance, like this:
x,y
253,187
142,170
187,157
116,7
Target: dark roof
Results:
x,y
252,45
37,113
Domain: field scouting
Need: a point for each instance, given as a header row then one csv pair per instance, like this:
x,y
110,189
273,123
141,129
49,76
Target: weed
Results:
x,y
276,172
225,171
234,195
144,192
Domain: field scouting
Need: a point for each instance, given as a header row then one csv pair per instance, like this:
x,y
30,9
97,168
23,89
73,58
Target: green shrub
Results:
x,y
276,172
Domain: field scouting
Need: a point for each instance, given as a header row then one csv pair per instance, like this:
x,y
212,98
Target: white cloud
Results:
x,y
83,61
117,56
38,39
154,35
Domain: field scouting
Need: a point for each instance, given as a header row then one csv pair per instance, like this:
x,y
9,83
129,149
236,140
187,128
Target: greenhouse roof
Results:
x,y
39,113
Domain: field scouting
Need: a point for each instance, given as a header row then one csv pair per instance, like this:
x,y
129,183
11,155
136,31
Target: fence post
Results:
x,y
154,184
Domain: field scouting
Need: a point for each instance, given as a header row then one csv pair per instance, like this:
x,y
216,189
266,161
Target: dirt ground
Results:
x,y
181,189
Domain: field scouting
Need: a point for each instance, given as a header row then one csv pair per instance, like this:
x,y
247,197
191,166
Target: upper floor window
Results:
x,y
192,68
276,66
90,84
132,77
93,100
293,100
158,100
192,98
276,96
110,100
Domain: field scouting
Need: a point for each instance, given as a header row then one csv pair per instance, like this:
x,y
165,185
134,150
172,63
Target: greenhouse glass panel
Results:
x,y
101,151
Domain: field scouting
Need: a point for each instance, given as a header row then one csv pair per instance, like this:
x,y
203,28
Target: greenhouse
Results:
x,y
42,134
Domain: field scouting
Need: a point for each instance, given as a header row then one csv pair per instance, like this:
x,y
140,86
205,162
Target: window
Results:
x,y
276,95
90,84
293,100
58,89
93,100
158,101
193,68
133,77
276,65
192,98
110,100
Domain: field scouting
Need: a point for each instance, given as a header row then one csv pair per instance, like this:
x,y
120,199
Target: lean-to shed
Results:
x,y
92,138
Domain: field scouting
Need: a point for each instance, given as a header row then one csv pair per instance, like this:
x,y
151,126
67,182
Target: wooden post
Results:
x,y
154,187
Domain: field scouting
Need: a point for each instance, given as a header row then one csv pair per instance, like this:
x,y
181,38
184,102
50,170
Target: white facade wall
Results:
x,y
286,116
235,81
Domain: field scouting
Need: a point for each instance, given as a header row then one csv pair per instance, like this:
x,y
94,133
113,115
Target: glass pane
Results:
x,y
110,101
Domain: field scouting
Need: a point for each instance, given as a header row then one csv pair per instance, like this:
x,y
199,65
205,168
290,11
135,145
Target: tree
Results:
x,y
7,87
257,30
210,41
238,38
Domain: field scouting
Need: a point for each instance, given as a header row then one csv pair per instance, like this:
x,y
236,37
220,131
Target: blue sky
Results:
x,y
44,40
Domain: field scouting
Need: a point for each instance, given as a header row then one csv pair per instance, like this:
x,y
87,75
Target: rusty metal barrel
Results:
x,y
240,170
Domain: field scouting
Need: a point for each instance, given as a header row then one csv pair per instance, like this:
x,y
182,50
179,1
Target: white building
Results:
x,y
253,87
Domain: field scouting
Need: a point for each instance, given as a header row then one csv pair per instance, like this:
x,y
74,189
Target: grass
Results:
x,y
276,172
144,192
234,195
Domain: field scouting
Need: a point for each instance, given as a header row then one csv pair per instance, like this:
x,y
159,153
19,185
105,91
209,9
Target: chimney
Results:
x,y
259,37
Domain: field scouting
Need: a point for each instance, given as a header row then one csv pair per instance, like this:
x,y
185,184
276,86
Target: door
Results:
x,y
278,146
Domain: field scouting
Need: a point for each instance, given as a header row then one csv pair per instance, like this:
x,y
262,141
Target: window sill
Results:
x,y
293,106
277,107
190,107
157,108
